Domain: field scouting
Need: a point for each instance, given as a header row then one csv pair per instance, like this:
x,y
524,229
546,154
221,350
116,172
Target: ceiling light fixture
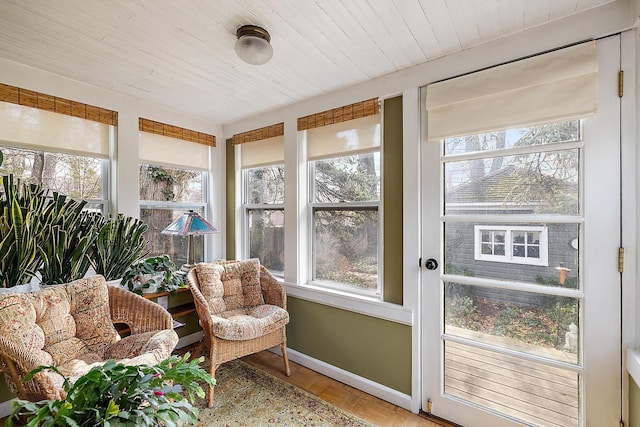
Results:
x,y
253,45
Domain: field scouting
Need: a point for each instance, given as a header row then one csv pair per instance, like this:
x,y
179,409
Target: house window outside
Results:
x,y
264,215
165,194
346,222
517,244
78,177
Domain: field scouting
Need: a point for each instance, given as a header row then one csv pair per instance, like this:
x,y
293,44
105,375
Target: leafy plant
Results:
x,y
68,240
20,232
153,272
120,244
116,394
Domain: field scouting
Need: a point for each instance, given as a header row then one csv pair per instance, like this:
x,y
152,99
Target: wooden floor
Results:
x,y
357,402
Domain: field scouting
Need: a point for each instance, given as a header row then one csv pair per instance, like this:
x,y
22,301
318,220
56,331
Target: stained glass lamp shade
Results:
x,y
190,224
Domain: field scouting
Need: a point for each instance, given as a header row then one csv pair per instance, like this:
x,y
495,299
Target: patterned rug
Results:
x,y
246,396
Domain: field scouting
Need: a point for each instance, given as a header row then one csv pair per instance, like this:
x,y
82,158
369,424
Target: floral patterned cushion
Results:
x,y
148,348
18,325
211,286
241,280
89,304
248,323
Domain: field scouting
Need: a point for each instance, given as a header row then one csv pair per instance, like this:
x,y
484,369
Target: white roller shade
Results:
x,y
34,128
549,87
264,152
163,150
350,137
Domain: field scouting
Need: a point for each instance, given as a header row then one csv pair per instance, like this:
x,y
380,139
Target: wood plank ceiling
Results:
x,y
179,54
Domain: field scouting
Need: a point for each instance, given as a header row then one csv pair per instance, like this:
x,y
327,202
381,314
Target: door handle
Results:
x,y
431,264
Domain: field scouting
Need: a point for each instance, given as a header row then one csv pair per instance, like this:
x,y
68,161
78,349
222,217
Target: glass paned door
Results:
x,y
513,319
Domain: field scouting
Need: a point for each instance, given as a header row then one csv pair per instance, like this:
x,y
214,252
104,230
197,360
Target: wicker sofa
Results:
x,y
71,327
242,310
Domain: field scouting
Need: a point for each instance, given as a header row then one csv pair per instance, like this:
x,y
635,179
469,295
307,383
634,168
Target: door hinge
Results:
x,y
620,260
620,83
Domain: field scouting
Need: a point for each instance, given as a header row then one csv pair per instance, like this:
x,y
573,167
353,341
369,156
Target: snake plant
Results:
x,y
120,243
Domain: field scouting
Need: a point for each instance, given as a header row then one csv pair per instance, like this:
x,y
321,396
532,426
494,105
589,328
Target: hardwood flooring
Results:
x,y
352,400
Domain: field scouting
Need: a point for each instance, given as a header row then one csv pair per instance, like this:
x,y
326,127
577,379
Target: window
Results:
x,y
78,177
264,213
262,161
165,194
50,147
345,204
517,244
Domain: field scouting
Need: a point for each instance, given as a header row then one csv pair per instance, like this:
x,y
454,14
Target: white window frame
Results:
x,y
350,206
101,204
248,207
180,206
508,257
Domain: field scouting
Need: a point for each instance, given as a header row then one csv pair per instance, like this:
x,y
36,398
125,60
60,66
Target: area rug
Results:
x,y
246,396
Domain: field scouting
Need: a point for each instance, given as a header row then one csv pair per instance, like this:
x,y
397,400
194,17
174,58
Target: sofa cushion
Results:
x,y
211,286
89,305
248,323
148,348
241,280
53,315
18,325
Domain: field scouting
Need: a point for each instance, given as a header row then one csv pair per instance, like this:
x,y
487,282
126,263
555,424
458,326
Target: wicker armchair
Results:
x,y
242,310
71,327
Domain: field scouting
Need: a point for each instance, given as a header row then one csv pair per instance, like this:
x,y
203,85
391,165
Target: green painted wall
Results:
x,y
392,200
231,200
372,348
634,403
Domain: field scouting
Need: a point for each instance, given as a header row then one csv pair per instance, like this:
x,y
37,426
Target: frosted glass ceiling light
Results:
x,y
253,45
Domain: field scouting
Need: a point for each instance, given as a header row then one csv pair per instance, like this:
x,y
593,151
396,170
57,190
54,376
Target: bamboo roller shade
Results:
x,y
41,101
259,134
358,110
158,128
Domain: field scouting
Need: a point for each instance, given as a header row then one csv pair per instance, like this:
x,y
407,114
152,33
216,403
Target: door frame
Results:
x,y
629,161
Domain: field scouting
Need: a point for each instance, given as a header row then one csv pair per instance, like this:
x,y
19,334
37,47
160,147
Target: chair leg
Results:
x,y
212,372
198,351
283,347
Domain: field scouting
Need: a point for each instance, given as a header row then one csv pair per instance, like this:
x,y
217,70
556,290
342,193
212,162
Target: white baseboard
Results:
x,y
190,339
378,390
6,408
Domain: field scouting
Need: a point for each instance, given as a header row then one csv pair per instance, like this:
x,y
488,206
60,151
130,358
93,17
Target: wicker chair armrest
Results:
x,y
272,290
140,314
201,303
23,360
16,363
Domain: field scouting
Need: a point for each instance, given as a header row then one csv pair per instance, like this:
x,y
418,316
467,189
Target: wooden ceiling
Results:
x,y
179,54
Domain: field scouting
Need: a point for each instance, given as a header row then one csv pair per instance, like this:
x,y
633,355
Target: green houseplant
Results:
x,y
157,274
116,394
119,244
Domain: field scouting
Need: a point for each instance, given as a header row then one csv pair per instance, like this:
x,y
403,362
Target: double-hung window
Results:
x,y
172,181
61,153
263,196
344,176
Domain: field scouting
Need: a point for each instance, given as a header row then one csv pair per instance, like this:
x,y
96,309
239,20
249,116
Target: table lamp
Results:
x,y
189,224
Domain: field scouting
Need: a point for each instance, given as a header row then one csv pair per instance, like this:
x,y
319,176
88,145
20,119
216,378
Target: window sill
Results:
x,y
356,303
633,364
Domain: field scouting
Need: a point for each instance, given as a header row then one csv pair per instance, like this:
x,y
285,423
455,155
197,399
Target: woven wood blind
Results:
x,y
158,128
41,101
345,113
259,134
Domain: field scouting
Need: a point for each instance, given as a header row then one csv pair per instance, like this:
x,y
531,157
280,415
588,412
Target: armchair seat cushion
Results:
x,y
249,322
